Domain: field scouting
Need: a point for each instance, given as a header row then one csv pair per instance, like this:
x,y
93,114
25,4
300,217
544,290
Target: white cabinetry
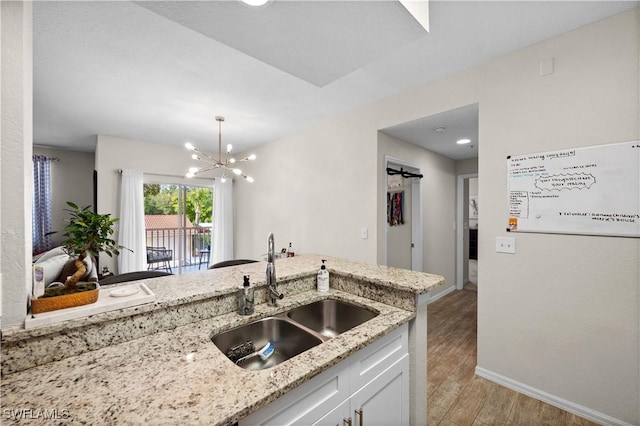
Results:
x,y
384,401
374,380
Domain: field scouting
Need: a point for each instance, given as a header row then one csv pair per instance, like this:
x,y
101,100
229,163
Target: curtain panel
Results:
x,y
41,205
131,233
222,247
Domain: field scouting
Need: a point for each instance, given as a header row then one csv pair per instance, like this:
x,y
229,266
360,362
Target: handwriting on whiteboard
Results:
x,y
592,190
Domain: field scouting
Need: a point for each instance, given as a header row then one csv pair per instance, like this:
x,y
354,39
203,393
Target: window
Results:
x,y
178,223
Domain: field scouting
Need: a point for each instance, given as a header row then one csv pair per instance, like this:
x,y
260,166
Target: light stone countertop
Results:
x,y
176,290
178,376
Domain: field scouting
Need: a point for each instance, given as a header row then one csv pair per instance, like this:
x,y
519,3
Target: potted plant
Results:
x,y
88,234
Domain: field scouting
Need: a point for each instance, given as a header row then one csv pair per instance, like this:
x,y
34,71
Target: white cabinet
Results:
x,y
374,380
384,401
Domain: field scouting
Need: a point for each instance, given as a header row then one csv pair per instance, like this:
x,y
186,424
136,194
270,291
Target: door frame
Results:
x,y
460,229
416,212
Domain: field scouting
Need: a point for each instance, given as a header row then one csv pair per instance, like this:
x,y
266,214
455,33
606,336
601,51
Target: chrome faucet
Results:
x,y
271,274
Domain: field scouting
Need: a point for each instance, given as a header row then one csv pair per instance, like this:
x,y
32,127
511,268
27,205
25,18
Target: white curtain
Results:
x,y
222,248
131,229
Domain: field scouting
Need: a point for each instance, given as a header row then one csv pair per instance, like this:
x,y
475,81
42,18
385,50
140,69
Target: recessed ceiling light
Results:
x,y
463,141
439,129
255,2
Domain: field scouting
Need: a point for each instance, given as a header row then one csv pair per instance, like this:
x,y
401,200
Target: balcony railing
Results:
x,y
188,248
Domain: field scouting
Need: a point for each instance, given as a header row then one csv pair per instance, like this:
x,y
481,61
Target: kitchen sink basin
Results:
x,y
287,338
330,317
291,332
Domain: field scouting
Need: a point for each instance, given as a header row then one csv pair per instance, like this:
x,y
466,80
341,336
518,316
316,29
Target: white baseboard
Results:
x,y
441,294
569,406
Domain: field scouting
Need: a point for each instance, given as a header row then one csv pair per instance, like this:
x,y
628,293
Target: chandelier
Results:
x,y
227,166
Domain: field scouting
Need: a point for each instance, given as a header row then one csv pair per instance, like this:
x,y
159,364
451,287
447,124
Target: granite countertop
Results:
x,y
179,376
176,290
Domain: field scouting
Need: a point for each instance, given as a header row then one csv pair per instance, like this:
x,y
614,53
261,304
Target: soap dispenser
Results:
x,y
323,278
245,297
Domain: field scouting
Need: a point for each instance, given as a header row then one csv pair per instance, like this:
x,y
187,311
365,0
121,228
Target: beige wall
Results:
x,y
71,180
316,189
561,315
465,167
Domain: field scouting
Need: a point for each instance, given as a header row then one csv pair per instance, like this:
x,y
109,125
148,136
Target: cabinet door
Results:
x,y
336,417
385,400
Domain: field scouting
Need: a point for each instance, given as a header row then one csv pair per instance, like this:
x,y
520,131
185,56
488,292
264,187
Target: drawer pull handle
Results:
x,y
360,413
347,421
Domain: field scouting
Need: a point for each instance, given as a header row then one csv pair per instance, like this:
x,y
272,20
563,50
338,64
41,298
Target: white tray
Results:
x,y
123,297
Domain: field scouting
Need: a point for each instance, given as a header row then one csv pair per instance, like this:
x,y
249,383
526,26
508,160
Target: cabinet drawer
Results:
x,y
380,355
307,403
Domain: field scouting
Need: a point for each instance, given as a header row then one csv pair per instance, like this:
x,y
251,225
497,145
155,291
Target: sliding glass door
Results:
x,y
178,227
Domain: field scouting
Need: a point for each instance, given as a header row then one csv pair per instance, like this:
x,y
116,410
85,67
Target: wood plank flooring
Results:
x,y
455,395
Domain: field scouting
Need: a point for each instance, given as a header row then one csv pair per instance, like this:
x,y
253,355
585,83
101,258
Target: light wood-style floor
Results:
x,y
455,395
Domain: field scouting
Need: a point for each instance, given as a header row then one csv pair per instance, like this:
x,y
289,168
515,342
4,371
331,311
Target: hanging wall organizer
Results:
x,y
403,172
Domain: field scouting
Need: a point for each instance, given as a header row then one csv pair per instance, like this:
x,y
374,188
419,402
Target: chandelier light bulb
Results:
x,y
189,146
195,156
237,171
249,178
252,157
189,175
229,148
232,160
223,179
193,170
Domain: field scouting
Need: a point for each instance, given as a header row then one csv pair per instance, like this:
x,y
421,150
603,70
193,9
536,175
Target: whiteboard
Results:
x,y
593,190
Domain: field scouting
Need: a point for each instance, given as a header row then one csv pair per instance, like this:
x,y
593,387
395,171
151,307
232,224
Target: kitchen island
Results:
x,y
156,363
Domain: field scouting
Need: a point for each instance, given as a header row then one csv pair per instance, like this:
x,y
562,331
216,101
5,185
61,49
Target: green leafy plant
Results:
x,y
88,233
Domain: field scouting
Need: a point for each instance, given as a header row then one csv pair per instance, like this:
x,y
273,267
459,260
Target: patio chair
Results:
x,y
203,256
159,255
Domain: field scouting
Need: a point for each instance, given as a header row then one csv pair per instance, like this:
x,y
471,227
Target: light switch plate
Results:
x,y
364,233
505,245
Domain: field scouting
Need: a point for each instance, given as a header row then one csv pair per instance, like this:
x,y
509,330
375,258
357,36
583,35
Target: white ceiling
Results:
x,y
440,132
318,42
161,71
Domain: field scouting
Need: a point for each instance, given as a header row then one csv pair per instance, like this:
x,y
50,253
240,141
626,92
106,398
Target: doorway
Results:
x,y
178,226
403,227
467,226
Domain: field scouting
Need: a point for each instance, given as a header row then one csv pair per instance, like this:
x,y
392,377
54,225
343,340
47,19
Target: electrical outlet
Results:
x,y
505,245
364,233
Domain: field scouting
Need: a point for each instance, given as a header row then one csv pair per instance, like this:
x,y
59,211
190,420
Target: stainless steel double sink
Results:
x,y
292,332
